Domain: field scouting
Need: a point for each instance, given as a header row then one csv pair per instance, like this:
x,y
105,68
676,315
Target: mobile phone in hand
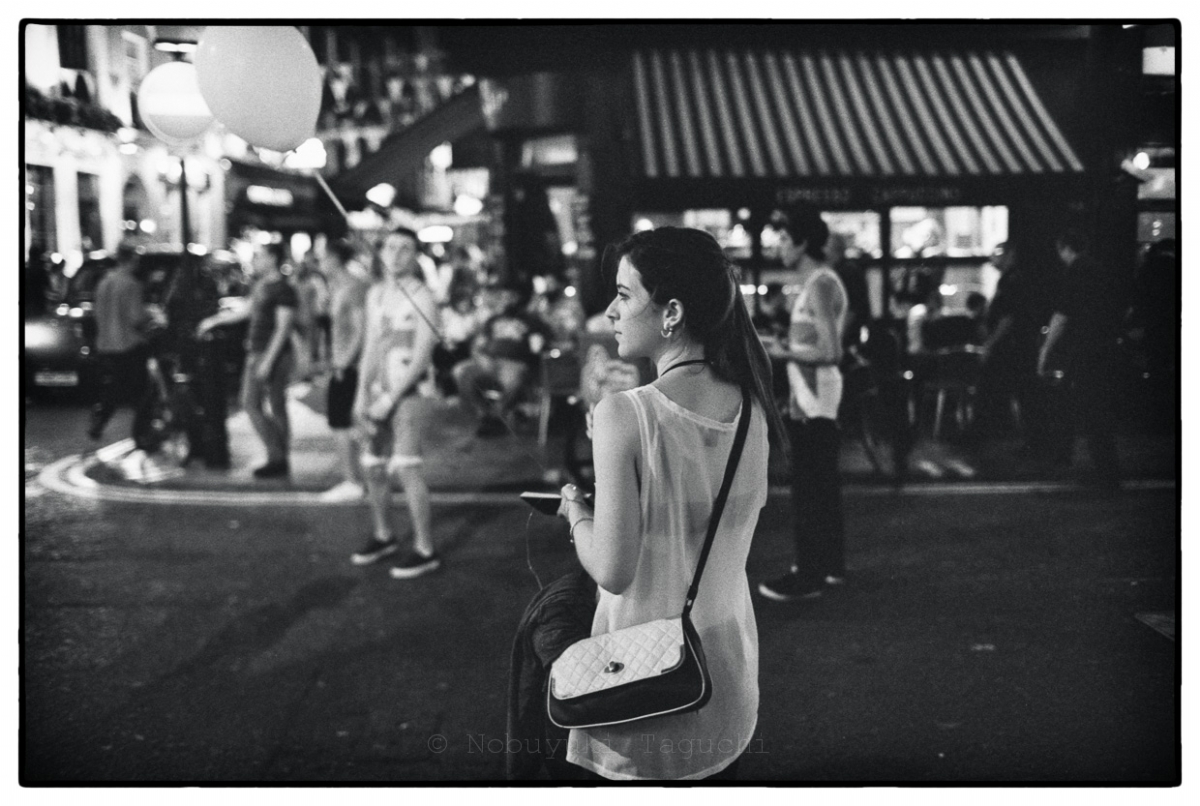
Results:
x,y
546,503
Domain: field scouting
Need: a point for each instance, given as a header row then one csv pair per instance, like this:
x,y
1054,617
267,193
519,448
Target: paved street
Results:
x,y
988,633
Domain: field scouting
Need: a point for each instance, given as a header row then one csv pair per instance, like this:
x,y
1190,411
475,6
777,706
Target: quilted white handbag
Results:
x,y
647,670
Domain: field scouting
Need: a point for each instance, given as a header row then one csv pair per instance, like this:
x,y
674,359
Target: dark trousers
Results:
x,y
1001,382
817,499
1093,397
265,403
123,382
1084,407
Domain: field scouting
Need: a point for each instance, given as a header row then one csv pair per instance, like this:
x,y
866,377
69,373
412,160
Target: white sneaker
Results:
x,y
346,491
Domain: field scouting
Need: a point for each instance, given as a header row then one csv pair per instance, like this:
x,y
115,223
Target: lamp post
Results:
x,y
173,109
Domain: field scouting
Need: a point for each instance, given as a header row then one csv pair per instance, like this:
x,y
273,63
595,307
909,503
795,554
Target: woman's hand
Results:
x,y
572,496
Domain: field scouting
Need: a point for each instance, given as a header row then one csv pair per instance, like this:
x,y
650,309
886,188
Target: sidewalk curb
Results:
x,y
69,477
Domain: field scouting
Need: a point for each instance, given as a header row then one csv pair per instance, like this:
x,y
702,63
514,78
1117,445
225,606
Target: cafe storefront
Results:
x,y
918,160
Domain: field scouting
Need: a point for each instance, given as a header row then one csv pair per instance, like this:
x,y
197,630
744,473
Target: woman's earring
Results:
x,y
667,331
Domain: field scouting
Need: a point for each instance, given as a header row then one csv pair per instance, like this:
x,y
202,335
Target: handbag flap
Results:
x,y
615,658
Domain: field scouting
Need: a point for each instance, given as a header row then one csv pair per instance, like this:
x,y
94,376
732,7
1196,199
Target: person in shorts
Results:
x,y
391,408
348,284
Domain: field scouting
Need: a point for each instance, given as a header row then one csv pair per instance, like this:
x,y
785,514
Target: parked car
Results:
x,y
60,343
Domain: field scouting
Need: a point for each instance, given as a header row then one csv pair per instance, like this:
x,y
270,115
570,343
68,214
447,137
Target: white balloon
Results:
x,y
262,82
171,105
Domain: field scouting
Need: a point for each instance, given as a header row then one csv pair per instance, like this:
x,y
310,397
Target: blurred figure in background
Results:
x,y
1083,334
503,357
1009,347
927,307
814,353
347,312
772,316
460,324
270,357
391,404
559,307
121,321
312,315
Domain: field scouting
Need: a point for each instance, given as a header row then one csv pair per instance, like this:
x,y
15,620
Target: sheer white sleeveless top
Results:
x,y
683,457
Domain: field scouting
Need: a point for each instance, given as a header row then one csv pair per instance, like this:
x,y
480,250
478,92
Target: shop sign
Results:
x,y
269,196
870,196
924,195
818,196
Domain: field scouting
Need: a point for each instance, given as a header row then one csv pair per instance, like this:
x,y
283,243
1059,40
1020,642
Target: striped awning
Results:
x,y
788,115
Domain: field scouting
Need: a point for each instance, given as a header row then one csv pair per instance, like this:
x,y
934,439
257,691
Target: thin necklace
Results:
x,y
682,364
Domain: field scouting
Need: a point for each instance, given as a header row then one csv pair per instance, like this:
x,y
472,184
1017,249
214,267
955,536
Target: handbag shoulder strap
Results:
x,y
739,441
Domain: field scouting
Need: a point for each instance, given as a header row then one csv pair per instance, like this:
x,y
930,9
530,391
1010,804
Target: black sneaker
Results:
x,y
790,587
272,470
413,564
375,549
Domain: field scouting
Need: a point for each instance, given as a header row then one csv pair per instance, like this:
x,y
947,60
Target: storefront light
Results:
x,y
436,233
569,291
1141,160
442,157
129,149
643,224
466,205
149,226
382,194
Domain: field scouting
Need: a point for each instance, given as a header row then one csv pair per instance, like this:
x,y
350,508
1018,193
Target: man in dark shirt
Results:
x,y
504,355
1083,336
269,358
121,348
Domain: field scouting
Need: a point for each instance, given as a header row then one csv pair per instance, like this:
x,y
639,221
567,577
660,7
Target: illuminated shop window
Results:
x,y
921,232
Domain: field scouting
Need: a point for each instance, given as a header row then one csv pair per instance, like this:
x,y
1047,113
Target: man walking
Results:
x,y
814,352
347,309
397,357
269,357
121,347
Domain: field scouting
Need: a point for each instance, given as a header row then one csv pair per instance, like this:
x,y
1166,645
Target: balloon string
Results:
x,y
337,203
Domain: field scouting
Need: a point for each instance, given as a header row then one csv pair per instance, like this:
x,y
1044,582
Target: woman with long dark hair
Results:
x,y
660,454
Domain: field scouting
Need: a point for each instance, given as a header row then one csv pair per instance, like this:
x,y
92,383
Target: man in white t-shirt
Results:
x,y
813,353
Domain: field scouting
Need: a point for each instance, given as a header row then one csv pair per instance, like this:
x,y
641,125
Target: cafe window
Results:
x,y
952,232
726,226
39,201
89,212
